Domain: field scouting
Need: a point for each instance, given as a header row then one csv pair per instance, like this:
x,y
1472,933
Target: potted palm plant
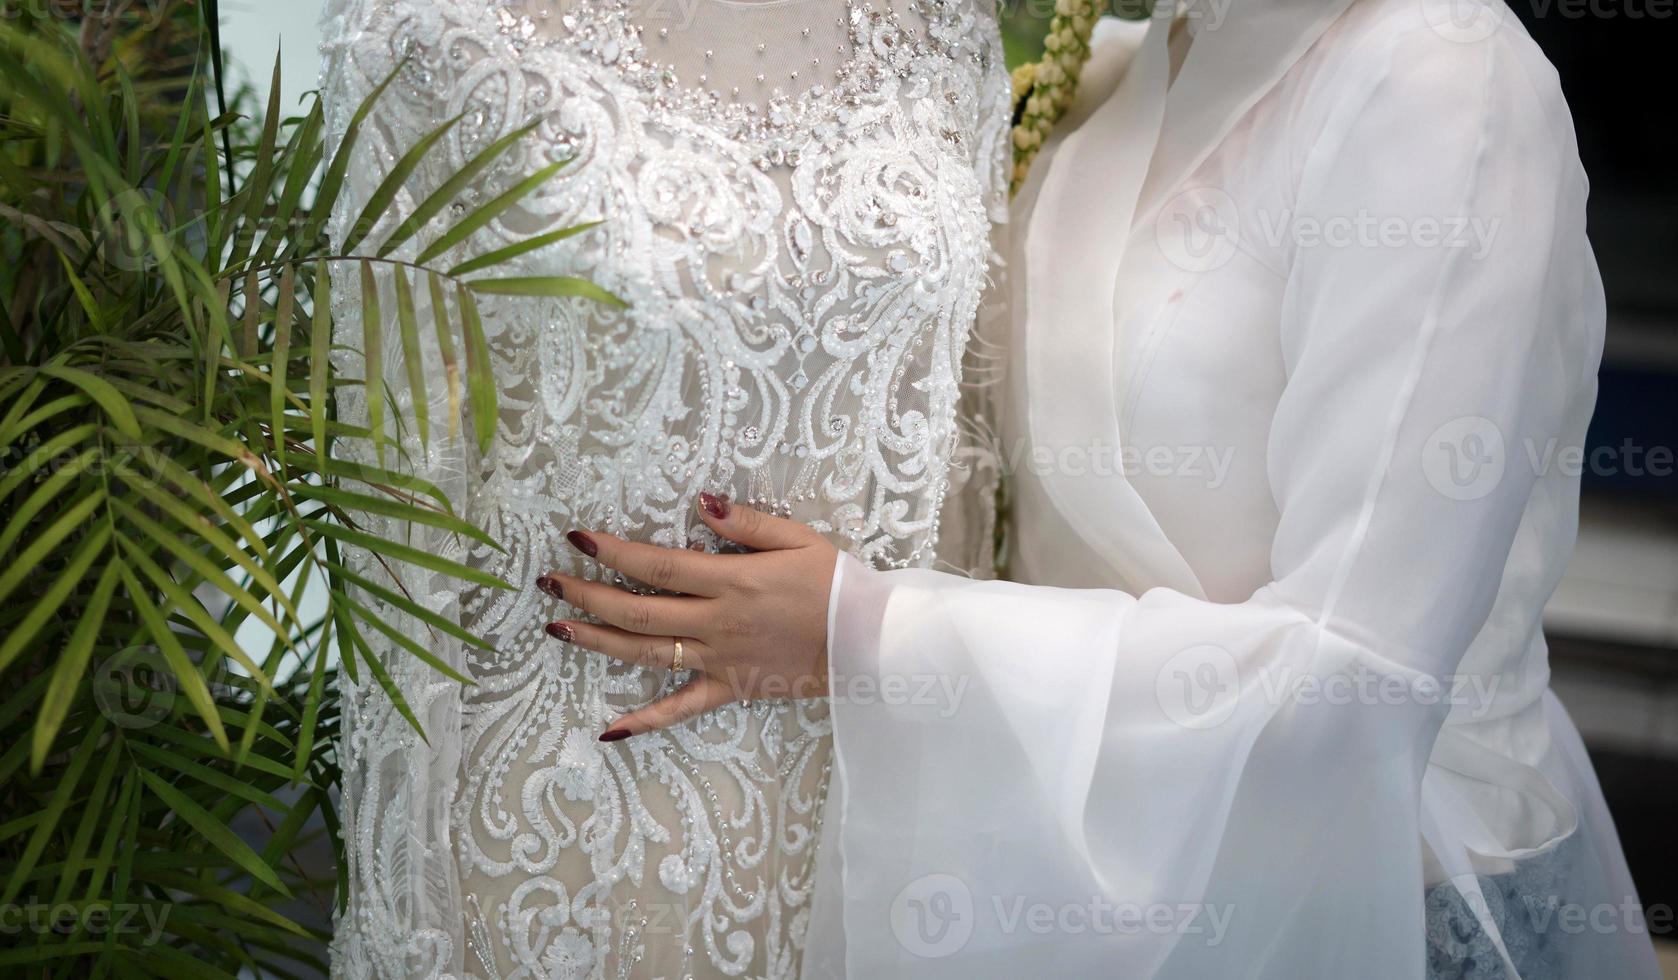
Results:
x,y
169,489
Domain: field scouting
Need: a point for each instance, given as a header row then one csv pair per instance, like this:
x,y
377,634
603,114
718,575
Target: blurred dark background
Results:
x,y
1614,625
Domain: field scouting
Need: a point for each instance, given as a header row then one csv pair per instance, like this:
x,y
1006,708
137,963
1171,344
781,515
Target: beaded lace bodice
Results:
x,y
797,200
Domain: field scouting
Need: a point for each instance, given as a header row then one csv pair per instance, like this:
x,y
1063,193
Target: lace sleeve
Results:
x,y
968,525
993,155
403,915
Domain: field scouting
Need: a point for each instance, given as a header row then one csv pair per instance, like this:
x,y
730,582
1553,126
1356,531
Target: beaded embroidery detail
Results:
x,y
802,277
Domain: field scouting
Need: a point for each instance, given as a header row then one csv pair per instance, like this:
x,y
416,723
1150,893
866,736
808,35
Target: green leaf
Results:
x,y
258,185
445,195
56,951
408,553
231,900
404,641
412,355
93,814
185,671
194,559
446,348
205,496
253,315
207,749
101,391
349,640
202,436
218,336
331,185
193,521
277,390
388,188
414,513
100,870
377,666
304,155
200,617
135,136
513,251
320,345
412,608
131,832
488,212
28,561
65,789
480,373
383,479
20,408
49,490
373,358
89,305
551,286
13,378
22,697
165,760
180,145
215,832
68,673
180,965
312,700
53,410
42,608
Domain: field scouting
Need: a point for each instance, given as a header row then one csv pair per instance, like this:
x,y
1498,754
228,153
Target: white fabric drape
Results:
x,y
1239,726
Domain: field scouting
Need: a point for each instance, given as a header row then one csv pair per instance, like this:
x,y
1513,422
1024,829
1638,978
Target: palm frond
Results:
x,y
171,484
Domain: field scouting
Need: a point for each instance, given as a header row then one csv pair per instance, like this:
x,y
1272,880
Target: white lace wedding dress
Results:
x,y
797,202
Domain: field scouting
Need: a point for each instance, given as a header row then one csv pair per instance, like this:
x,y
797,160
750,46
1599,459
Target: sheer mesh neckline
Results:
x,y
876,42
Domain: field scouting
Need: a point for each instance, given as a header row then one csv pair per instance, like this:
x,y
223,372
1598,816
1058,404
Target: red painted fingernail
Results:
x,y
612,735
550,585
714,505
583,543
560,631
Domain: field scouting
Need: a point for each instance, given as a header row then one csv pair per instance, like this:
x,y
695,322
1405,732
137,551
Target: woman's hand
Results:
x,y
749,625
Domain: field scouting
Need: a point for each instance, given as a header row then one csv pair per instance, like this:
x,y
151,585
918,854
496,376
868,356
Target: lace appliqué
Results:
x,y
802,278
1522,904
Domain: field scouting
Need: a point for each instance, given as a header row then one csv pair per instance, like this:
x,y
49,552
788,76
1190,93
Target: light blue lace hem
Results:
x,y
1521,905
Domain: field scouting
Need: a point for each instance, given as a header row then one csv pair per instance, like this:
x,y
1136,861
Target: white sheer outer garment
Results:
x,y
1287,506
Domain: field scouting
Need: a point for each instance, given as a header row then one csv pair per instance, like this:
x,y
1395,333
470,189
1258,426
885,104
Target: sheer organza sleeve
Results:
x,y
1096,783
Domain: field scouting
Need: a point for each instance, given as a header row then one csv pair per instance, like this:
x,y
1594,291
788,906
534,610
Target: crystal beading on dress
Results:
x,y
798,201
